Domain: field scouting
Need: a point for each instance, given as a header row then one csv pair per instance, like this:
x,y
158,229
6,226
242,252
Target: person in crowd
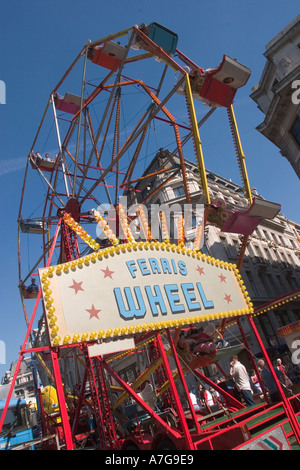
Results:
x,y
209,400
194,400
241,379
269,381
201,398
255,381
279,366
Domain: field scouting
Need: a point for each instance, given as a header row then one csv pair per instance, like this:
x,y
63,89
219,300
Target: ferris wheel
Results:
x,y
111,288
115,106
125,99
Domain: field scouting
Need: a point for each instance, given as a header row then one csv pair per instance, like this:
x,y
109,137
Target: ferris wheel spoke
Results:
x,y
59,146
79,122
45,252
92,137
139,146
133,137
135,157
127,48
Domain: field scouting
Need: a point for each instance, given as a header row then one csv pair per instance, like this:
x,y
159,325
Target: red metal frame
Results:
x,y
287,406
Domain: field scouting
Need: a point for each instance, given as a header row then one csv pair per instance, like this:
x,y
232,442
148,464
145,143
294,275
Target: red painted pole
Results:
x,y
140,401
286,404
179,408
23,348
180,372
61,399
79,401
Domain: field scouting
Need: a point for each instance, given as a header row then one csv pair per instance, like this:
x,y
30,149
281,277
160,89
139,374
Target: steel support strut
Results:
x,y
181,375
178,404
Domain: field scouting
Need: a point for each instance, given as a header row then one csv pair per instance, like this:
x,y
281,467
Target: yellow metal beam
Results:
x,y
197,140
141,379
240,153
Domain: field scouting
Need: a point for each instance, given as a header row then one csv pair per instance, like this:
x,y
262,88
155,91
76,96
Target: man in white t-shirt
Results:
x,y
194,401
240,376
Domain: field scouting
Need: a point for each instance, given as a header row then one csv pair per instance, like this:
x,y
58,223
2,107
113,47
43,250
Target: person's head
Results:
x,y
32,280
233,360
261,363
278,362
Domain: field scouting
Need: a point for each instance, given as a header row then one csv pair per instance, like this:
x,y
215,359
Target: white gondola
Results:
x,y
217,87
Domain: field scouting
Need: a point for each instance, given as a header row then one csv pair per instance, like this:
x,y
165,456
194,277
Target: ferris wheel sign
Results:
x,y
138,287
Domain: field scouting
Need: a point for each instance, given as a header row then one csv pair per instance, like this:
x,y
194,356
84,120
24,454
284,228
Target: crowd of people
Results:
x,y
246,386
206,400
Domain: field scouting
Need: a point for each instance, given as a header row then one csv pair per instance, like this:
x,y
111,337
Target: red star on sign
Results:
x,y
222,278
200,270
228,298
76,286
107,272
93,312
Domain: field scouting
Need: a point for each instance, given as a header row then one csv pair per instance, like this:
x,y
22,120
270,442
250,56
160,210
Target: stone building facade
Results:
x,y
278,93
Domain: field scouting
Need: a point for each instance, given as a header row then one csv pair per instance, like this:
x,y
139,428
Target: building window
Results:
x,y
268,255
231,250
294,285
274,237
194,221
267,283
296,314
282,318
179,191
266,326
279,284
295,130
266,235
252,284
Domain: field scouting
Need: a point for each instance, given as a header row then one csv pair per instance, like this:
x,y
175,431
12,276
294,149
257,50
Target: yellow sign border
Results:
x,y
47,273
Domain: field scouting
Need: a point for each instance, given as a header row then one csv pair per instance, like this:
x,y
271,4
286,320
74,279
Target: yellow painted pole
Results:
x,y
240,153
141,379
197,140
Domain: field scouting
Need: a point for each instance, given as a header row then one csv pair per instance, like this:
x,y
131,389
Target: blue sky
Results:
x,y
40,39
